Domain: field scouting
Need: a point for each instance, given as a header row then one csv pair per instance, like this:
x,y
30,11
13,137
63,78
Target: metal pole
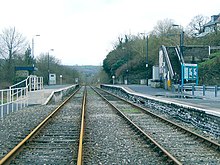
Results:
x,y
32,52
147,60
203,90
49,64
48,67
193,90
216,90
181,42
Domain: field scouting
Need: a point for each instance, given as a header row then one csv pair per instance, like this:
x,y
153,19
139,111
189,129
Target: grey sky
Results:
x,y
83,31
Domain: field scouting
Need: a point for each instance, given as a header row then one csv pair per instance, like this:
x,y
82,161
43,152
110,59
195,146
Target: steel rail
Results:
x,y
165,152
211,142
11,154
80,148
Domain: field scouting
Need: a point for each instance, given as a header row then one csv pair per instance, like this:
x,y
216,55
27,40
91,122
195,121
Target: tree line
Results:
x,y
127,60
15,51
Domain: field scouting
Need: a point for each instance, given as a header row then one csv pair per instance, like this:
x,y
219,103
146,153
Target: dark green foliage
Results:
x,y
209,71
89,74
128,59
54,66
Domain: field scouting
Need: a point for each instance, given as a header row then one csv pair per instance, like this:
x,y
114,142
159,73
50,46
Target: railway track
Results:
x,y
109,139
55,140
87,130
185,146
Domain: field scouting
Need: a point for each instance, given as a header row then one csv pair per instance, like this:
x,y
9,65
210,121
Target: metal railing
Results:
x,y
32,83
168,61
16,97
197,90
180,57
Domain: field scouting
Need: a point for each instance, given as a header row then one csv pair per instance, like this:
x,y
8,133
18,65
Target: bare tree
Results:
x,y
12,43
195,27
163,27
167,32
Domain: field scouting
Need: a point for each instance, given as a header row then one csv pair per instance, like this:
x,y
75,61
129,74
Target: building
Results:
x,y
213,25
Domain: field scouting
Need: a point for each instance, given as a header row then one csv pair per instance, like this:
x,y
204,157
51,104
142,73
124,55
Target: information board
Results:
x,y
190,73
52,79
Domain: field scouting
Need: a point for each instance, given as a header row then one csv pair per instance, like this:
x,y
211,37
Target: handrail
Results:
x,y
193,88
25,80
32,82
180,57
17,95
168,61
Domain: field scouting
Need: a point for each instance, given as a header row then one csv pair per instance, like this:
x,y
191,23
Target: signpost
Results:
x,y
189,73
52,79
113,80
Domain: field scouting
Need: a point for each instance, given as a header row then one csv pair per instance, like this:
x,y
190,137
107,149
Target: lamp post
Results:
x,y
181,42
147,48
113,80
48,65
181,53
181,39
61,79
32,52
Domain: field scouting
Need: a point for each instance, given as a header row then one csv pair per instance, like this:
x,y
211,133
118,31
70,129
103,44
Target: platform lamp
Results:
x,y
181,51
147,48
181,39
48,65
32,52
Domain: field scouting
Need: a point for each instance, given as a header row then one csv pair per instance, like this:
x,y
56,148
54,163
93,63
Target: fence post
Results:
x,y
178,88
203,90
12,99
8,100
193,89
30,83
1,106
216,90
26,96
182,89
17,102
173,88
1,111
41,82
2,97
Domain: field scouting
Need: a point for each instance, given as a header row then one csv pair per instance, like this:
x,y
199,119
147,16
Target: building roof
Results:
x,y
215,19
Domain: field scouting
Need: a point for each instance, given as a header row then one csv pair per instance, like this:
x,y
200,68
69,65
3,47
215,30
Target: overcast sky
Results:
x,y
83,31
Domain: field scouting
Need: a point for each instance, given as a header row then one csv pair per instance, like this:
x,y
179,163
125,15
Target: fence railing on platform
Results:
x,y
203,90
16,97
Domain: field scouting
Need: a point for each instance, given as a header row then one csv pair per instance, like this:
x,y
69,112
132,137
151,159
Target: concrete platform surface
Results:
x,y
208,102
41,96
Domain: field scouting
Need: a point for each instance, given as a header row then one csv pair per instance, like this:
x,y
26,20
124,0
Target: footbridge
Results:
x,y
178,68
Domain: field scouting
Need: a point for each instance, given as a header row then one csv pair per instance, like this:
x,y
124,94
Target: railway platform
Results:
x,y
42,96
208,103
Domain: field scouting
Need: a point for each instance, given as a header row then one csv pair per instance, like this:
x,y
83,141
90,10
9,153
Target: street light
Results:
x,y
48,64
147,48
181,39
181,53
32,53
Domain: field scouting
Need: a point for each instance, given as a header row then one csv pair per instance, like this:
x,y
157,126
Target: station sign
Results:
x,y
190,73
52,79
